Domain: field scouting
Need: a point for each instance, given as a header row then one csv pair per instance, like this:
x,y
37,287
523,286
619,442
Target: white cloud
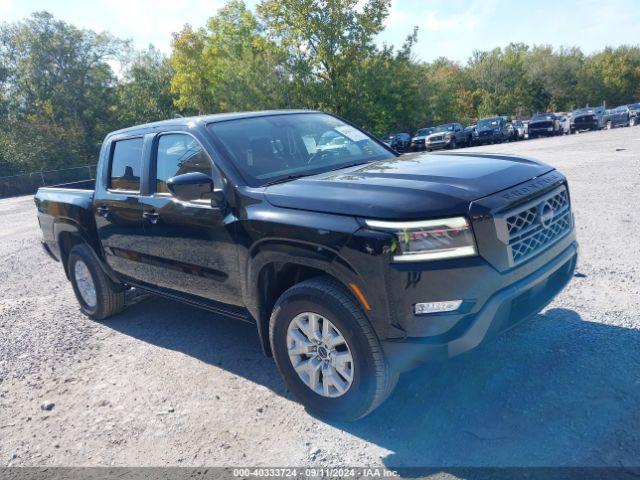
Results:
x,y
434,22
398,17
156,20
5,6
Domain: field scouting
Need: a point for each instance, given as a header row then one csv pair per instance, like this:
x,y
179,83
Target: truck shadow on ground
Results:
x,y
555,391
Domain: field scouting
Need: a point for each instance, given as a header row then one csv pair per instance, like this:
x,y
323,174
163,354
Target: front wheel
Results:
x,y
633,122
327,352
609,126
99,297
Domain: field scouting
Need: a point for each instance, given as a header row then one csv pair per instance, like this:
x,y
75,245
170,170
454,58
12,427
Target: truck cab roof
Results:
x,y
205,119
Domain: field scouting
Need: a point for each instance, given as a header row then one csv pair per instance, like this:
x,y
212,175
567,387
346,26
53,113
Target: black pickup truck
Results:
x,y
544,125
634,114
449,135
354,263
587,118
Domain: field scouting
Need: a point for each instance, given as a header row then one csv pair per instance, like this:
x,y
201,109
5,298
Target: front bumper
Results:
x,y
541,131
438,144
585,125
493,302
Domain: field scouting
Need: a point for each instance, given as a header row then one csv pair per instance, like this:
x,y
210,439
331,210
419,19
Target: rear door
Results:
x,y
188,247
620,116
117,208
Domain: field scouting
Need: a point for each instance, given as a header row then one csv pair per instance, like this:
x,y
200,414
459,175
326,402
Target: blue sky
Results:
x,y
451,29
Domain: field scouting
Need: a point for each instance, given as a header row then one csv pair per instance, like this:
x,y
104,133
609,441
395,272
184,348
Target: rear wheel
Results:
x,y
99,297
327,352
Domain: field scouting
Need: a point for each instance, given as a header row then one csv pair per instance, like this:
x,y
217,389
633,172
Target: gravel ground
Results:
x,y
166,384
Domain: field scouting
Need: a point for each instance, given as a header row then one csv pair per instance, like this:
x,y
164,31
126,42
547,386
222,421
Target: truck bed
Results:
x,y
65,209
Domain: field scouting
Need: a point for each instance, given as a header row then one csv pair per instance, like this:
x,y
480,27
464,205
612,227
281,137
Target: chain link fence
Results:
x,y
27,183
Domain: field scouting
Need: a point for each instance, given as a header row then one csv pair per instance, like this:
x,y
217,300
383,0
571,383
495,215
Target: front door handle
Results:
x,y
103,211
151,215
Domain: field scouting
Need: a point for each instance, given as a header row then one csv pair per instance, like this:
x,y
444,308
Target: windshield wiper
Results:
x,y
289,178
286,179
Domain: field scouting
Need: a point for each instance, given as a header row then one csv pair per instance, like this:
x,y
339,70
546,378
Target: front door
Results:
x,y
117,208
188,248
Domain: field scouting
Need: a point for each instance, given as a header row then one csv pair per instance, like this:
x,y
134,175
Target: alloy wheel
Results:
x,y
320,354
84,282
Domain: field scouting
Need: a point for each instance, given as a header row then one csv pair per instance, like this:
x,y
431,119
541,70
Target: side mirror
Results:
x,y
191,186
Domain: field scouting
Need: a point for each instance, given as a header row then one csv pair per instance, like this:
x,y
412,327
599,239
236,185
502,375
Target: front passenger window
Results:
x,y
179,153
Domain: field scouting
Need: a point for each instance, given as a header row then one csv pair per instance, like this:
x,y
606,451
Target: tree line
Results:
x,y
63,88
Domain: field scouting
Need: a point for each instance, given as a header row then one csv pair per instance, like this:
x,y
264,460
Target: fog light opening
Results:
x,y
436,307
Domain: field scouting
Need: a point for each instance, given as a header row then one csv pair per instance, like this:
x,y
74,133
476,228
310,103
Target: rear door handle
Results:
x,y
103,211
151,215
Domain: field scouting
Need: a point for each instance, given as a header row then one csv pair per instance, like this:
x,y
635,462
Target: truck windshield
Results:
x,y
423,132
488,122
277,147
444,128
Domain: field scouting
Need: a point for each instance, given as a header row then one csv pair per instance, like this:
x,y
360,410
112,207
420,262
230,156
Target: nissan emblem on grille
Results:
x,y
538,224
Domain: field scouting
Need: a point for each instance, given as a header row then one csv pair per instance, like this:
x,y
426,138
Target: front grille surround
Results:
x,y
531,228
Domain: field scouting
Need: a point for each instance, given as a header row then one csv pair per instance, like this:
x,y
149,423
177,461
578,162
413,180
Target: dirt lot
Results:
x,y
166,384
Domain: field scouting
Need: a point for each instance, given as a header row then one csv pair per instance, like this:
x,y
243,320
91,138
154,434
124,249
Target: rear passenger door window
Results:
x,y
126,163
179,153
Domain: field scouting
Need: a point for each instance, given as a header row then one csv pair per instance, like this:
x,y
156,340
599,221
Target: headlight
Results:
x,y
429,239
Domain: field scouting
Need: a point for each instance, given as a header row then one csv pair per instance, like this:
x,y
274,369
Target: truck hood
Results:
x,y
412,186
585,114
438,134
488,128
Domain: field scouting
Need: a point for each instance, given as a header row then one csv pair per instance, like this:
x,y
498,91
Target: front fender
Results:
x,y
305,254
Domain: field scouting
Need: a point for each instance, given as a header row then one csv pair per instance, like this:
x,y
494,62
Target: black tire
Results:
x,y
373,379
453,144
109,295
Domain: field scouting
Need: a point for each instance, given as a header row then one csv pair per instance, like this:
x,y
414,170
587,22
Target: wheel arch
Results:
x,y
271,270
68,234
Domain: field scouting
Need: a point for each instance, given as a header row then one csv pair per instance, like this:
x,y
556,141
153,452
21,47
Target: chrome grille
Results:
x,y
538,224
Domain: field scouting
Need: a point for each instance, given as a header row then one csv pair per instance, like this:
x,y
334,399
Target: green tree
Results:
x,y
498,78
326,43
144,94
553,78
612,76
57,84
229,65
387,93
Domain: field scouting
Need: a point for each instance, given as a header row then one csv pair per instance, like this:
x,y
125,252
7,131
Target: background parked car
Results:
x,y
587,118
400,142
518,130
417,142
472,134
449,135
493,130
634,114
565,122
616,117
544,124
